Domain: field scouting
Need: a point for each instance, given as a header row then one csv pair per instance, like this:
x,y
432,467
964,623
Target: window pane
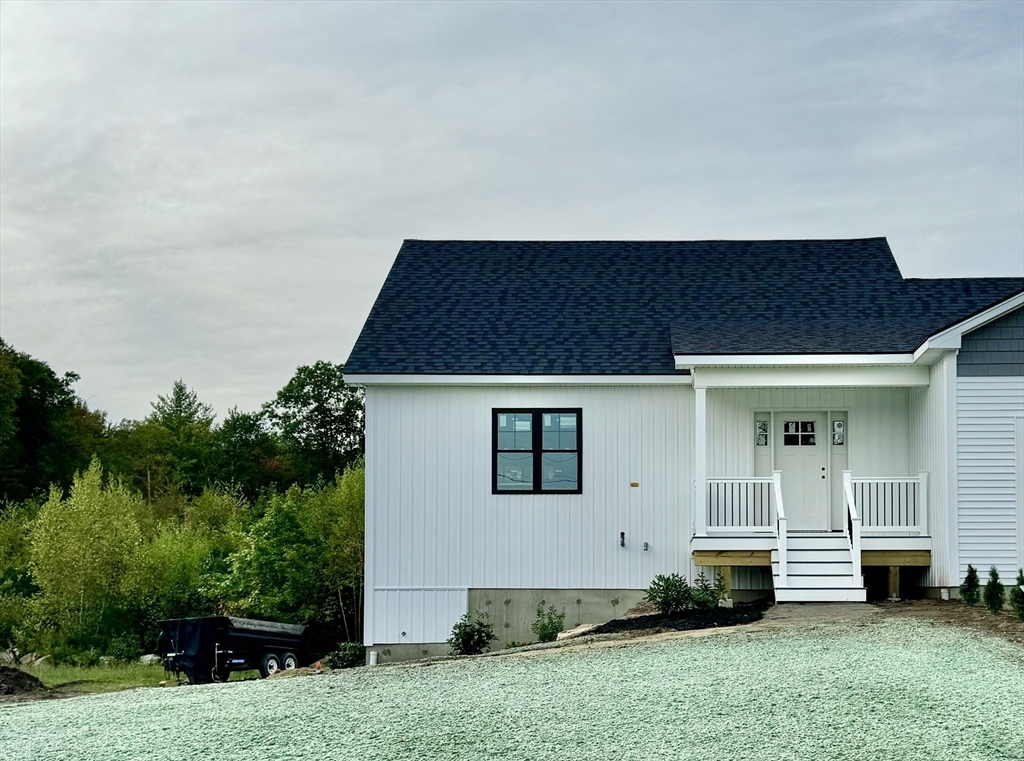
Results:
x,y
791,440
807,426
807,439
515,430
515,472
560,430
559,471
791,427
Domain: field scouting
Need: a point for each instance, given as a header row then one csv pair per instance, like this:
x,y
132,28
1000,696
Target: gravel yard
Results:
x,y
871,687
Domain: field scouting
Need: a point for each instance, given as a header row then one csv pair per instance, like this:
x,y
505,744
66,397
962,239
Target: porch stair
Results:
x,y
819,568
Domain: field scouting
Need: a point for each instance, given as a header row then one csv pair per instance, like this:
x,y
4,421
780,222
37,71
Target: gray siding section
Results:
x,y
997,349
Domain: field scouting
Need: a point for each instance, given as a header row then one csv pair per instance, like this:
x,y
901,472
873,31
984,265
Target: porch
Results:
x,y
745,524
813,484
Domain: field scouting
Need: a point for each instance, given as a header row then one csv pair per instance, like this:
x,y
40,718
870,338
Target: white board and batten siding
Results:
x,y
435,530
989,474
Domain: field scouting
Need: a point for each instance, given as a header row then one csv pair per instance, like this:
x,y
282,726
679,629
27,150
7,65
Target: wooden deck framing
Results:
x,y
729,558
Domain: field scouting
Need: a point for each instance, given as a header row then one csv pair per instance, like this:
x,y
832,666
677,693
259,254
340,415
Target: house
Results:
x,y
565,420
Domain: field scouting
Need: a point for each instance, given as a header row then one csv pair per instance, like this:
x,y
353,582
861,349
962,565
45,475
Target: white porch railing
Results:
x,y
749,505
741,504
852,523
780,526
890,504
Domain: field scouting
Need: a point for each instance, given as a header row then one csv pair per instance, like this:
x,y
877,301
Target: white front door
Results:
x,y
801,453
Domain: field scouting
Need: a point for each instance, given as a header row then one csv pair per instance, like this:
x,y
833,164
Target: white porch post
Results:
x,y
922,517
700,450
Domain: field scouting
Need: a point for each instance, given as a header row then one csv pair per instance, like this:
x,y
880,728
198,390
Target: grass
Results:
x,y
112,678
878,689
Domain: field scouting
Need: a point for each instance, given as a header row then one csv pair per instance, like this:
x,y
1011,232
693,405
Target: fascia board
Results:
x,y
688,361
951,337
802,377
412,379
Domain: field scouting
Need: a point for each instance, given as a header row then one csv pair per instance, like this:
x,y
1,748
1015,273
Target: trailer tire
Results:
x,y
289,661
271,664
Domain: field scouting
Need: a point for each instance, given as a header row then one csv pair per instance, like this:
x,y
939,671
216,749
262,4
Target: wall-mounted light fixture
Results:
x,y
622,538
646,546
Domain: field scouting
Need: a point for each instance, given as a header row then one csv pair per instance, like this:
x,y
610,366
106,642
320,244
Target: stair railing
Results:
x,y
780,526
852,525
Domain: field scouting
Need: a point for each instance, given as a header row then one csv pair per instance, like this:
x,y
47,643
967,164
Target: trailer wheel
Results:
x,y
271,665
221,675
289,661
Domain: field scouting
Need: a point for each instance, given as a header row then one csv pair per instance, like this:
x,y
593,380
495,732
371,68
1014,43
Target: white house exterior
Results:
x,y
569,440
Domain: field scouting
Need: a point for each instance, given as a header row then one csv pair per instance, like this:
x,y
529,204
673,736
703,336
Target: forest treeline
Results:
x,y
106,528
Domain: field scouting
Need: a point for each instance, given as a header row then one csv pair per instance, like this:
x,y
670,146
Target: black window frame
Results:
x,y
537,448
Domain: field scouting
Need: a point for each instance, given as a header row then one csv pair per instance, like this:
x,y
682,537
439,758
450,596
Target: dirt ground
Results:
x,y
956,613
17,685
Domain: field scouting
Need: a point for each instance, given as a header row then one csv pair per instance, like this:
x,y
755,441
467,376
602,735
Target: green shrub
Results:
x,y
472,635
348,655
548,623
670,594
515,643
970,590
705,594
994,591
1017,595
124,648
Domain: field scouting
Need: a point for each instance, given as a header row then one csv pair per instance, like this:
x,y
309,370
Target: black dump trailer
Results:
x,y
209,649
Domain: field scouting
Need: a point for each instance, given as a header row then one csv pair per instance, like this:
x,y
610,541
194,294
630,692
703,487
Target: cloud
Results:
x,y
215,191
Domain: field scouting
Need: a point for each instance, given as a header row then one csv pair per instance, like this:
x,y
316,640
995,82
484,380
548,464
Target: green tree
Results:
x,y
47,434
140,453
320,419
189,424
16,582
82,549
248,456
302,560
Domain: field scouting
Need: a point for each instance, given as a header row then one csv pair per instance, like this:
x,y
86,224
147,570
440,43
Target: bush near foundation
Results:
x,y
994,591
671,595
970,590
472,635
349,655
1017,595
549,622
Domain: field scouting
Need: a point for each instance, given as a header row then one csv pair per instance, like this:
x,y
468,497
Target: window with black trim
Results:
x,y
537,451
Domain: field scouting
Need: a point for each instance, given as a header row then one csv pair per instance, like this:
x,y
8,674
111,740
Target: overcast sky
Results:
x,y
215,191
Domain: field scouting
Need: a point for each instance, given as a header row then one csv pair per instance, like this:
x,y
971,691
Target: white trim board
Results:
x,y
689,361
798,377
951,338
395,379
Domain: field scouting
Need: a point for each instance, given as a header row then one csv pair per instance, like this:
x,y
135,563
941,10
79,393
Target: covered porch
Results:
x,y
812,484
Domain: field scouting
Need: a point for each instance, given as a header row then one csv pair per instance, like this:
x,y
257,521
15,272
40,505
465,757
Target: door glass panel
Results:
x,y
798,433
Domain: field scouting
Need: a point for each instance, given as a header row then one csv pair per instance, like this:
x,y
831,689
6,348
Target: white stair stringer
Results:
x,y
819,568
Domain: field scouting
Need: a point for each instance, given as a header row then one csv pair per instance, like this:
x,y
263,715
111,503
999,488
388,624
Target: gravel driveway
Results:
x,y
864,687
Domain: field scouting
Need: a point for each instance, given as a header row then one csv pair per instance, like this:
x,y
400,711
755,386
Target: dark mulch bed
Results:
x,y
693,619
17,682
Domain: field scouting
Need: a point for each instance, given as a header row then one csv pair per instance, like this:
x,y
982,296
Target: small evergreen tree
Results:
x,y
970,590
1017,595
994,597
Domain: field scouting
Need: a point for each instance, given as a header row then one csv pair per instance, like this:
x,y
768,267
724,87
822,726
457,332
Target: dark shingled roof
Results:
x,y
620,307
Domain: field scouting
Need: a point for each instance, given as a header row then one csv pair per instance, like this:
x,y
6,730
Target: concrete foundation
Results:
x,y
513,611
406,652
